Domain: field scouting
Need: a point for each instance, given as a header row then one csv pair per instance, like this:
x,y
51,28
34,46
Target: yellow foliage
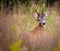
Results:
x,y
16,46
58,47
13,27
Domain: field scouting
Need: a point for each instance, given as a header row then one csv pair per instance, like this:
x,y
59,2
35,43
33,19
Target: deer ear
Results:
x,y
47,14
35,14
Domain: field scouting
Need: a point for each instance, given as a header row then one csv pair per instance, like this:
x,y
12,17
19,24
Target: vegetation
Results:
x,y
16,16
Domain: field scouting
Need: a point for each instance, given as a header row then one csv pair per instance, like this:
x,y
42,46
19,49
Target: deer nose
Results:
x,y
44,23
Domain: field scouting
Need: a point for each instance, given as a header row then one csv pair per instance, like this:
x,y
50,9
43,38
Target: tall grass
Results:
x,y
12,21
17,18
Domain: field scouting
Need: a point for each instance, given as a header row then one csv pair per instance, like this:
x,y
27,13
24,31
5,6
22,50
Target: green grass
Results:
x,y
49,20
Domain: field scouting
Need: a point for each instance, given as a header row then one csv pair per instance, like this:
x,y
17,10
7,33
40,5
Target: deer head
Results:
x,y
41,17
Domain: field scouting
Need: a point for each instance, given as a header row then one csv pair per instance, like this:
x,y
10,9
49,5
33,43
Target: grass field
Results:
x,y
21,19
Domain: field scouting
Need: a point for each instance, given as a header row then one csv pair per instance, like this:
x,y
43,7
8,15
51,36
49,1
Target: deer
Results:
x,y
38,38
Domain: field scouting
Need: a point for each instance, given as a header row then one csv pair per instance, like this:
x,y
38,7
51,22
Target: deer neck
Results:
x,y
39,28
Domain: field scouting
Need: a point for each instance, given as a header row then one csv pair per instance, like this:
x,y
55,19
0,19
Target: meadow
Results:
x,y
20,18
